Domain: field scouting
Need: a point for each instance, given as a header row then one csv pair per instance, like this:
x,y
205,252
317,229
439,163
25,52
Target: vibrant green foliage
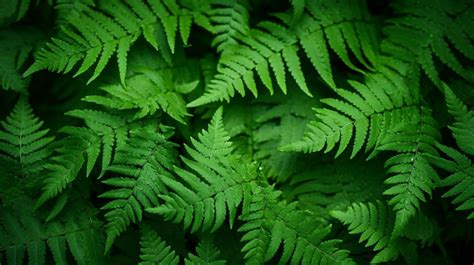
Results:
x,y
354,145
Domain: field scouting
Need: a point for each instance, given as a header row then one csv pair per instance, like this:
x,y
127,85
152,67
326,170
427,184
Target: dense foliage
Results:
x,y
236,132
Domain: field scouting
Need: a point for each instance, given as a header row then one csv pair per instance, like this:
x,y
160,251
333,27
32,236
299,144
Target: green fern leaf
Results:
x,y
77,230
143,161
271,223
271,42
23,146
95,35
148,91
413,178
217,180
375,222
463,128
359,116
105,133
154,250
443,21
230,19
460,181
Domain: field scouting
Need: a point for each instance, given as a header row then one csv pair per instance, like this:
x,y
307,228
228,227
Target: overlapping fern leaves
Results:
x,y
273,48
143,163
340,154
216,186
426,33
97,34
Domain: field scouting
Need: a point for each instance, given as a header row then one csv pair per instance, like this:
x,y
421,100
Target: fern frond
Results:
x,y
274,48
271,223
16,46
375,222
422,32
412,176
148,91
143,162
105,133
230,19
23,145
383,102
216,179
78,230
154,250
461,181
112,28
463,127
207,253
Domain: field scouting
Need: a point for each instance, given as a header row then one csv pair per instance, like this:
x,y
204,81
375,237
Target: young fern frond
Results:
x,y
154,250
24,146
383,102
270,222
274,48
216,179
421,32
143,162
148,91
97,34
207,253
412,176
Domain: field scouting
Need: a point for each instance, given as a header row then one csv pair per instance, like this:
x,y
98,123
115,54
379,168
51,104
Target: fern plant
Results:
x,y
236,132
